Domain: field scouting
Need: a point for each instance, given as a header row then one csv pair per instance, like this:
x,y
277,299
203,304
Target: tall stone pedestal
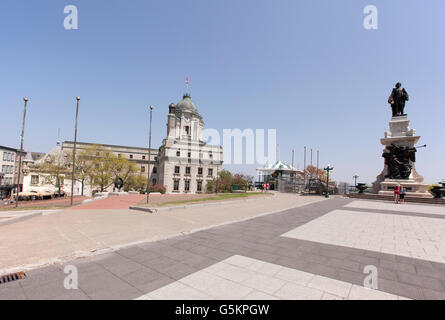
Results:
x,y
400,137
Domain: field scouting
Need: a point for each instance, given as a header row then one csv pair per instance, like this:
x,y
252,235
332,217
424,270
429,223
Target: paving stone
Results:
x,y
157,283
141,277
332,286
404,267
294,276
227,289
46,290
344,264
131,252
178,291
107,287
361,293
264,283
258,295
119,265
177,271
401,289
420,281
433,295
292,291
12,291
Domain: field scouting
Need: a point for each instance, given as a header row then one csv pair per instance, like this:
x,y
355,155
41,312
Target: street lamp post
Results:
x,y
74,151
328,169
149,154
355,176
20,155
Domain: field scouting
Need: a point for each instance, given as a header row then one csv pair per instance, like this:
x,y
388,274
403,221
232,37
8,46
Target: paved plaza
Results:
x,y
315,251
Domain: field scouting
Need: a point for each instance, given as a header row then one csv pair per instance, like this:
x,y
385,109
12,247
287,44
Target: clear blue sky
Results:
x,y
307,68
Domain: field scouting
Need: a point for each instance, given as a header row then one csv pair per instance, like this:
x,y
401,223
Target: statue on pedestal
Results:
x,y
399,161
397,100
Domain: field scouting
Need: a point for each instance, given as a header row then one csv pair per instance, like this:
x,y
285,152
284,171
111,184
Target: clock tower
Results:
x,y
187,163
184,121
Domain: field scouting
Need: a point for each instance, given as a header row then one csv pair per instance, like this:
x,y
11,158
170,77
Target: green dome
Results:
x,y
186,105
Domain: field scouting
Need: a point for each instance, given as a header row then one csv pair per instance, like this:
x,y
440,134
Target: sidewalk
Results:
x,y
112,202
70,233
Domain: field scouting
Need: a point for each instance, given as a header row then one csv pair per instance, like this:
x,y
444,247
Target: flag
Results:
x,y
187,80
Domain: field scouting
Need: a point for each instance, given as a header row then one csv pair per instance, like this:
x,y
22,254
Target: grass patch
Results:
x,y
219,197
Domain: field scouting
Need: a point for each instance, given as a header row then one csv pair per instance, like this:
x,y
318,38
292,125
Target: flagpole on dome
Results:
x,y
187,88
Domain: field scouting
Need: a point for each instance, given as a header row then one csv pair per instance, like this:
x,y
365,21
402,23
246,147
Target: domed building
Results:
x,y
183,164
186,163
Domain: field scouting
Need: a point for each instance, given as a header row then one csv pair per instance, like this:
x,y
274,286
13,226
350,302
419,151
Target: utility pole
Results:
x,y
318,159
149,154
74,151
304,166
20,155
292,158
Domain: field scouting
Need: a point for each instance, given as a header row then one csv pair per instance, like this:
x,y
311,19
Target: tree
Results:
x,y
314,173
137,182
55,167
124,169
84,164
225,181
102,168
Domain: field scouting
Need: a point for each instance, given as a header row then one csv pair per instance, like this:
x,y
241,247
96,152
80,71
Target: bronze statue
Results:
x,y
399,161
397,100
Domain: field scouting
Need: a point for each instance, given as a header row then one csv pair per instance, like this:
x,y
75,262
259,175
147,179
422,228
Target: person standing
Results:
x,y
267,187
397,193
402,194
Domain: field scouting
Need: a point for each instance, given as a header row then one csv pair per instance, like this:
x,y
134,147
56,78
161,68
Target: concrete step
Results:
x,y
372,196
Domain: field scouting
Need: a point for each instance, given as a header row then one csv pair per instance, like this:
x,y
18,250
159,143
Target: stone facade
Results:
x,y
7,165
187,163
184,163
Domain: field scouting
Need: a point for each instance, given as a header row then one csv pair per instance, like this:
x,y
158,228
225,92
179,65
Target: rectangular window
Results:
x,y
210,172
187,170
143,157
189,155
178,153
187,185
155,170
176,185
200,171
5,156
131,156
142,169
187,130
176,169
199,186
34,179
